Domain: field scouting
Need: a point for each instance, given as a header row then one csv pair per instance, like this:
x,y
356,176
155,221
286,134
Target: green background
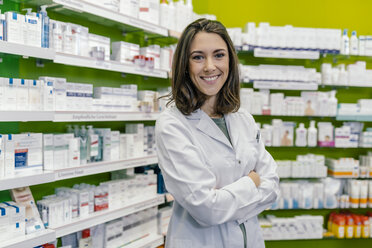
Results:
x,y
354,15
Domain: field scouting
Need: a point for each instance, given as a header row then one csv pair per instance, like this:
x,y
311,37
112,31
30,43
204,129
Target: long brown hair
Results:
x,y
184,93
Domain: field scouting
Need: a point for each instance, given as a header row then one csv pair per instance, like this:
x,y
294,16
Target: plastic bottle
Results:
x,y
345,43
164,14
354,44
70,129
83,145
301,134
93,145
171,16
312,135
86,239
332,103
180,15
189,12
44,26
67,45
57,39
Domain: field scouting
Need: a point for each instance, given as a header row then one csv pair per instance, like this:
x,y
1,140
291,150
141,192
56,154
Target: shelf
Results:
x,y
26,51
151,241
106,215
365,118
101,167
69,116
24,116
87,62
31,178
287,54
76,116
30,240
280,85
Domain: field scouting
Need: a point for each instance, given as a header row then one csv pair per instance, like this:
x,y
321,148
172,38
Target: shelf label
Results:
x,y
103,64
96,116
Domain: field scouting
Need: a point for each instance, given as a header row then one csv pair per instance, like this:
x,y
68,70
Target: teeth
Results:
x,y
210,78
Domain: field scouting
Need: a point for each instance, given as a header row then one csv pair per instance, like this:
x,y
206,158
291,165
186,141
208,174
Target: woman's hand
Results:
x,y
255,177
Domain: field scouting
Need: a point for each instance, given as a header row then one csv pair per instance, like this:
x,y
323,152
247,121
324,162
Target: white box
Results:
x,y
100,41
60,151
14,27
48,150
35,95
129,7
124,52
28,152
115,145
10,95
9,156
21,93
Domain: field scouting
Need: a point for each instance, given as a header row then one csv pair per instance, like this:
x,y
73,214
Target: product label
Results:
x,y
20,156
93,145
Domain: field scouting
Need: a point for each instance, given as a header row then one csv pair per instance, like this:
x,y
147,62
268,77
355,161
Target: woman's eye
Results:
x,y
197,57
220,55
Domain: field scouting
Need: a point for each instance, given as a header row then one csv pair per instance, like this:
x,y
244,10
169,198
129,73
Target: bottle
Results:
x,y
93,146
83,144
164,14
171,16
57,39
67,45
332,104
70,129
86,239
189,12
354,44
301,134
180,6
44,26
312,135
345,45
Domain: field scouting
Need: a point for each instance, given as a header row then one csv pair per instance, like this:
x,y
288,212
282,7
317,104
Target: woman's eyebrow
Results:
x,y
196,52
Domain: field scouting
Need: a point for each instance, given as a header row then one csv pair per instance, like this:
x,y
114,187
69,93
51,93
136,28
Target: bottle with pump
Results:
x,y
332,101
301,134
354,44
83,144
345,43
171,16
93,145
312,135
86,239
44,26
164,14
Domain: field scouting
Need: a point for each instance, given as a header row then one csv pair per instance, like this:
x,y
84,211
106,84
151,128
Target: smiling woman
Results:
x,y
209,150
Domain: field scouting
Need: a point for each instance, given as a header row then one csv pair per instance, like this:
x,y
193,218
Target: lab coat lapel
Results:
x,y
233,130
207,126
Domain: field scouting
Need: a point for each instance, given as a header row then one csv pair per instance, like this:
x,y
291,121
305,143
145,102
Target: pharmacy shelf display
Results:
x,y
35,178
151,241
80,61
103,216
26,51
74,60
30,240
75,116
103,16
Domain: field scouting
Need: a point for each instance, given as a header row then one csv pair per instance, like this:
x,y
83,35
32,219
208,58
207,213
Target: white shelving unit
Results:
x,y
81,6
34,178
24,116
71,116
285,54
151,241
87,62
102,167
30,240
22,180
279,85
106,215
26,51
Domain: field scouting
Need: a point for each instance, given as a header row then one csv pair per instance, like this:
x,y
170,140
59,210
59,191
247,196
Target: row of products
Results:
x,y
82,200
281,133
116,233
310,103
355,74
361,108
298,227
21,153
305,166
326,193
349,225
350,167
56,94
298,38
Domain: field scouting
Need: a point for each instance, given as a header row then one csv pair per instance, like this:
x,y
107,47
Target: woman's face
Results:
x,y
208,63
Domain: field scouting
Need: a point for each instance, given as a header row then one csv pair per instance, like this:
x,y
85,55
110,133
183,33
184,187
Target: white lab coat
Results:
x,y
207,177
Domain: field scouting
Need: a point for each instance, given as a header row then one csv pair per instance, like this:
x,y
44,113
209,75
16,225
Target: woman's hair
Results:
x,y
184,93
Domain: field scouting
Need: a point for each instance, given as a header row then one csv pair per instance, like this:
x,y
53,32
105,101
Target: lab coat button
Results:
x,y
239,161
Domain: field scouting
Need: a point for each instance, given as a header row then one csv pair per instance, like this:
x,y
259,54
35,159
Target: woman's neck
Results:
x,y
209,107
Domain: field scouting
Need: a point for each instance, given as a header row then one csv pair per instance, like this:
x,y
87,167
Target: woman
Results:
x,y
210,152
